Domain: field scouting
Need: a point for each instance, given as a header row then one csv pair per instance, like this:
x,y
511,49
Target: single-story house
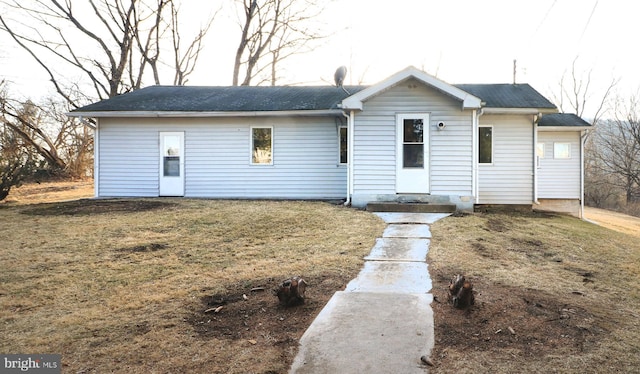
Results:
x,y
410,138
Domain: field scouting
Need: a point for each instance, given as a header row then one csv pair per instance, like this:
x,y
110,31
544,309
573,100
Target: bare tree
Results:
x,y
16,163
617,143
28,121
272,31
574,95
91,49
63,143
95,49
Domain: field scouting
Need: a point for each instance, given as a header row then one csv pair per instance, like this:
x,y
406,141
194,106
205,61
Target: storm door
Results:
x,y
412,153
172,164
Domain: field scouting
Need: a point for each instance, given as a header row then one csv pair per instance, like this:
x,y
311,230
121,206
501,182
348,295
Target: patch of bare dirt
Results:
x,y
251,313
86,207
528,323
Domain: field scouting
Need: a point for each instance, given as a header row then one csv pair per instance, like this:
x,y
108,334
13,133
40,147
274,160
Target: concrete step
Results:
x,y
410,207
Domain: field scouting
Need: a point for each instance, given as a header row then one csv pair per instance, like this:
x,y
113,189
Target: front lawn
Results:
x,y
128,285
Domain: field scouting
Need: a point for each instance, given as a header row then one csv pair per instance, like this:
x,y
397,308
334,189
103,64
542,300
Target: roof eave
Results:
x,y
491,110
187,114
563,128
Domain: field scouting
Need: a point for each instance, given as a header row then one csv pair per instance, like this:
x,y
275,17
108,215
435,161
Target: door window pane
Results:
x,y
171,155
261,145
413,156
171,145
485,145
413,130
540,150
171,166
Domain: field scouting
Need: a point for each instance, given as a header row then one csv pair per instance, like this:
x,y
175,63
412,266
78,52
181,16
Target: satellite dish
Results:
x,y
339,76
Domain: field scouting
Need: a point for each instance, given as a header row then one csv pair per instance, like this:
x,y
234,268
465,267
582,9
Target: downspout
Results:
x,y
536,118
96,158
349,118
582,141
475,185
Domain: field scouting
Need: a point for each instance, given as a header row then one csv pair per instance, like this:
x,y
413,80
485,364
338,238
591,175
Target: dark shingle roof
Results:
x,y
286,98
562,119
224,99
507,95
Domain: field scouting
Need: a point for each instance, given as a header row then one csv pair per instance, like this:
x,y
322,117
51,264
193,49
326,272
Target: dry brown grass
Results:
x,y
567,287
113,285
614,220
122,285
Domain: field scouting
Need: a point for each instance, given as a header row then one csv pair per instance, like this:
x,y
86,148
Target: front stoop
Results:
x,y
410,207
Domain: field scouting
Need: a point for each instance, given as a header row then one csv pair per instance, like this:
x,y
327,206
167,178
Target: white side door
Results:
x,y
412,153
172,164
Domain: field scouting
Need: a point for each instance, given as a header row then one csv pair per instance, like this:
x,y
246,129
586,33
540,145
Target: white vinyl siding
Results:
x,y
305,161
374,152
128,161
559,178
509,179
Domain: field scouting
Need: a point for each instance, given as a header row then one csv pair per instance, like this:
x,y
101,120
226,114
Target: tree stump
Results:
x,y
461,292
291,291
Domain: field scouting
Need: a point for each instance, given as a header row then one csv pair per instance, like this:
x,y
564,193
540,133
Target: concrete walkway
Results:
x,y
382,322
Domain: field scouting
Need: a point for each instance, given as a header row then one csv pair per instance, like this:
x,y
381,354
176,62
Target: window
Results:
x,y
344,145
261,146
561,150
485,144
540,150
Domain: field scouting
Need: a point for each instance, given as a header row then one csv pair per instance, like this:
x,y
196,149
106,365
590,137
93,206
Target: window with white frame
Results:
x,y
485,144
262,145
344,145
561,150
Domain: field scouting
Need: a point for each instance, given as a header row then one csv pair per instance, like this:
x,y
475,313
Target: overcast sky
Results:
x,y
459,41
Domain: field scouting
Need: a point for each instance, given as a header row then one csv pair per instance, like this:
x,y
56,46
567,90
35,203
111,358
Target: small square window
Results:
x,y
261,146
561,150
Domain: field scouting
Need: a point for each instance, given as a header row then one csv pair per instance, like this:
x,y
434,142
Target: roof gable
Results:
x,y
356,100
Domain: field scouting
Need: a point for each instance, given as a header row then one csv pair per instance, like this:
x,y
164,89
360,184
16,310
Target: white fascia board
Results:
x,y
356,101
486,110
563,128
157,114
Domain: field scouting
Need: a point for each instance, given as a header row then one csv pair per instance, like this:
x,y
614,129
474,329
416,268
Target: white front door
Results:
x,y
412,153
172,164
